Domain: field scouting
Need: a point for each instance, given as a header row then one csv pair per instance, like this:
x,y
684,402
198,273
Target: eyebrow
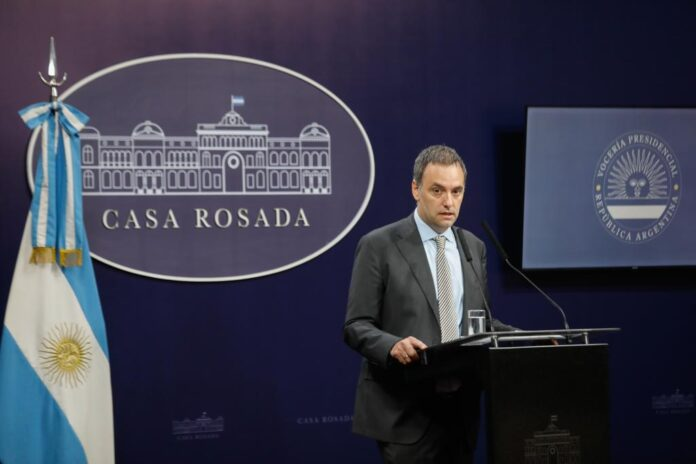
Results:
x,y
440,186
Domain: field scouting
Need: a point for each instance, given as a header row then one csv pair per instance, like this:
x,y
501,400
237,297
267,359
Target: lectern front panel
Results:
x,y
548,405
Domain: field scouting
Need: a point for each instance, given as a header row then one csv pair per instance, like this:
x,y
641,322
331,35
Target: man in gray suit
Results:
x,y
395,306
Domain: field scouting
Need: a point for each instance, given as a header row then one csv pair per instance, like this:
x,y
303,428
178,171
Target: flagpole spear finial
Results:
x,y
52,73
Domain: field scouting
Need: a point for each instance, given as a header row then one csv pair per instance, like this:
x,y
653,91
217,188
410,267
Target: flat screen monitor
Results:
x,y
609,188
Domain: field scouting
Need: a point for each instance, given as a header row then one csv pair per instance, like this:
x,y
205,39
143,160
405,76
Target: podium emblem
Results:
x,y
552,445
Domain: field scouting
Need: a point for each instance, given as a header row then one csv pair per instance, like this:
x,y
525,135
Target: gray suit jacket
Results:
x,y
392,296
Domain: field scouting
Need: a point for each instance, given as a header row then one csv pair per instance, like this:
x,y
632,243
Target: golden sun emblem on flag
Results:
x,y
66,354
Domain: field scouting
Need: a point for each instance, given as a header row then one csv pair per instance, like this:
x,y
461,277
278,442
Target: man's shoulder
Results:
x,y
472,240
470,237
390,232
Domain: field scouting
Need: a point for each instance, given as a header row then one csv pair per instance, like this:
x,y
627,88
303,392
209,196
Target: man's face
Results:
x,y
440,195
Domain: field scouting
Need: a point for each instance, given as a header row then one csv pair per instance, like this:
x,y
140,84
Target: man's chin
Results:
x,y
444,225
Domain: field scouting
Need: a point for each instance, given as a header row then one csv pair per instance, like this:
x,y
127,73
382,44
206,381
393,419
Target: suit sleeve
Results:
x,y
362,329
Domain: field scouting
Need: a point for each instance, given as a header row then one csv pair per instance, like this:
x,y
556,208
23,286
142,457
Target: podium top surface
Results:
x,y
494,338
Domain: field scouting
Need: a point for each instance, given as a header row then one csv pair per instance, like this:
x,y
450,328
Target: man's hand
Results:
x,y
405,350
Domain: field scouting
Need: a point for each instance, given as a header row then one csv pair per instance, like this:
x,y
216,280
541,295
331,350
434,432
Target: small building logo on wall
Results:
x,y
213,167
637,186
552,445
203,428
677,403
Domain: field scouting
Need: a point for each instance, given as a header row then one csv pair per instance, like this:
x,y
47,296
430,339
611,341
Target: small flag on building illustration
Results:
x,y
55,382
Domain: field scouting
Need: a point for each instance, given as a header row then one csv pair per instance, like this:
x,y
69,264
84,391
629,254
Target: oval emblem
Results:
x,y
202,167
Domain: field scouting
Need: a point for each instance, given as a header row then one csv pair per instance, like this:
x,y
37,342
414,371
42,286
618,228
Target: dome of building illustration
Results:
x,y
232,118
314,131
89,130
147,129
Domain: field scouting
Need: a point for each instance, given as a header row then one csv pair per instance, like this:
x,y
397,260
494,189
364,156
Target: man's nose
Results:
x,y
448,199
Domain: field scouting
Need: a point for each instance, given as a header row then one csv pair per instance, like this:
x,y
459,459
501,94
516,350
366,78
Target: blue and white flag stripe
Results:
x,y
56,208
52,412
68,240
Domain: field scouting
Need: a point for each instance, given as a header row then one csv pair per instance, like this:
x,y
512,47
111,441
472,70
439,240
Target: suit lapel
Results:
x,y
411,247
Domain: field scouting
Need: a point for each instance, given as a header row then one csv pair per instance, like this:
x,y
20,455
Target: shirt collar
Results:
x,y
427,233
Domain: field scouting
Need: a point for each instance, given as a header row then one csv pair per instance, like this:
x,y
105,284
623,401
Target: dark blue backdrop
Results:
x,y
415,73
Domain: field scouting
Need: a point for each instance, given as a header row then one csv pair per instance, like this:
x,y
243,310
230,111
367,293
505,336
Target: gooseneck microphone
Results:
x,y
469,259
506,258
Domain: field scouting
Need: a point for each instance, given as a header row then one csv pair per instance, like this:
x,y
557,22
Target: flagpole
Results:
x,y
55,376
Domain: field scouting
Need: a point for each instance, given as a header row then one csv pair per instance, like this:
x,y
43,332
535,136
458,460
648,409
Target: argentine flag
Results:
x,y
55,383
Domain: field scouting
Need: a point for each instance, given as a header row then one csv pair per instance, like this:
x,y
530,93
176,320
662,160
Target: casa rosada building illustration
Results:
x,y
230,157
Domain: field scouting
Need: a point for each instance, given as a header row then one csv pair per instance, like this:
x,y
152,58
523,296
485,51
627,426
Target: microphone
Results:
x,y
506,258
469,259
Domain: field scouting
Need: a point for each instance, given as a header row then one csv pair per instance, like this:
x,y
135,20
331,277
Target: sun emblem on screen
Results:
x,y
638,173
636,187
66,355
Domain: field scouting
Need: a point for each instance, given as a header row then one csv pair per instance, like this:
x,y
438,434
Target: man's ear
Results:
x,y
414,190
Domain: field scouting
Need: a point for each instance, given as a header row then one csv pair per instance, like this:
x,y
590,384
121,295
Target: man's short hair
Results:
x,y
435,154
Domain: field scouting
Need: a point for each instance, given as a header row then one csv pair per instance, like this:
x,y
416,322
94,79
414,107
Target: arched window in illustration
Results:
x,y
306,159
315,158
116,181
250,181
259,159
158,158
127,180
171,180
250,161
324,179
274,158
306,180
88,180
206,179
293,158
274,179
260,180
294,179
206,159
158,180
106,180
283,158
216,161
284,179
192,182
182,179
324,158
87,155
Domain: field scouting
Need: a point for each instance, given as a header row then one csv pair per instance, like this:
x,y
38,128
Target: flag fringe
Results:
x,y
43,255
72,257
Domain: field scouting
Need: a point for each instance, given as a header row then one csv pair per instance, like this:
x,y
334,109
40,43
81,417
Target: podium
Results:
x,y
545,403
